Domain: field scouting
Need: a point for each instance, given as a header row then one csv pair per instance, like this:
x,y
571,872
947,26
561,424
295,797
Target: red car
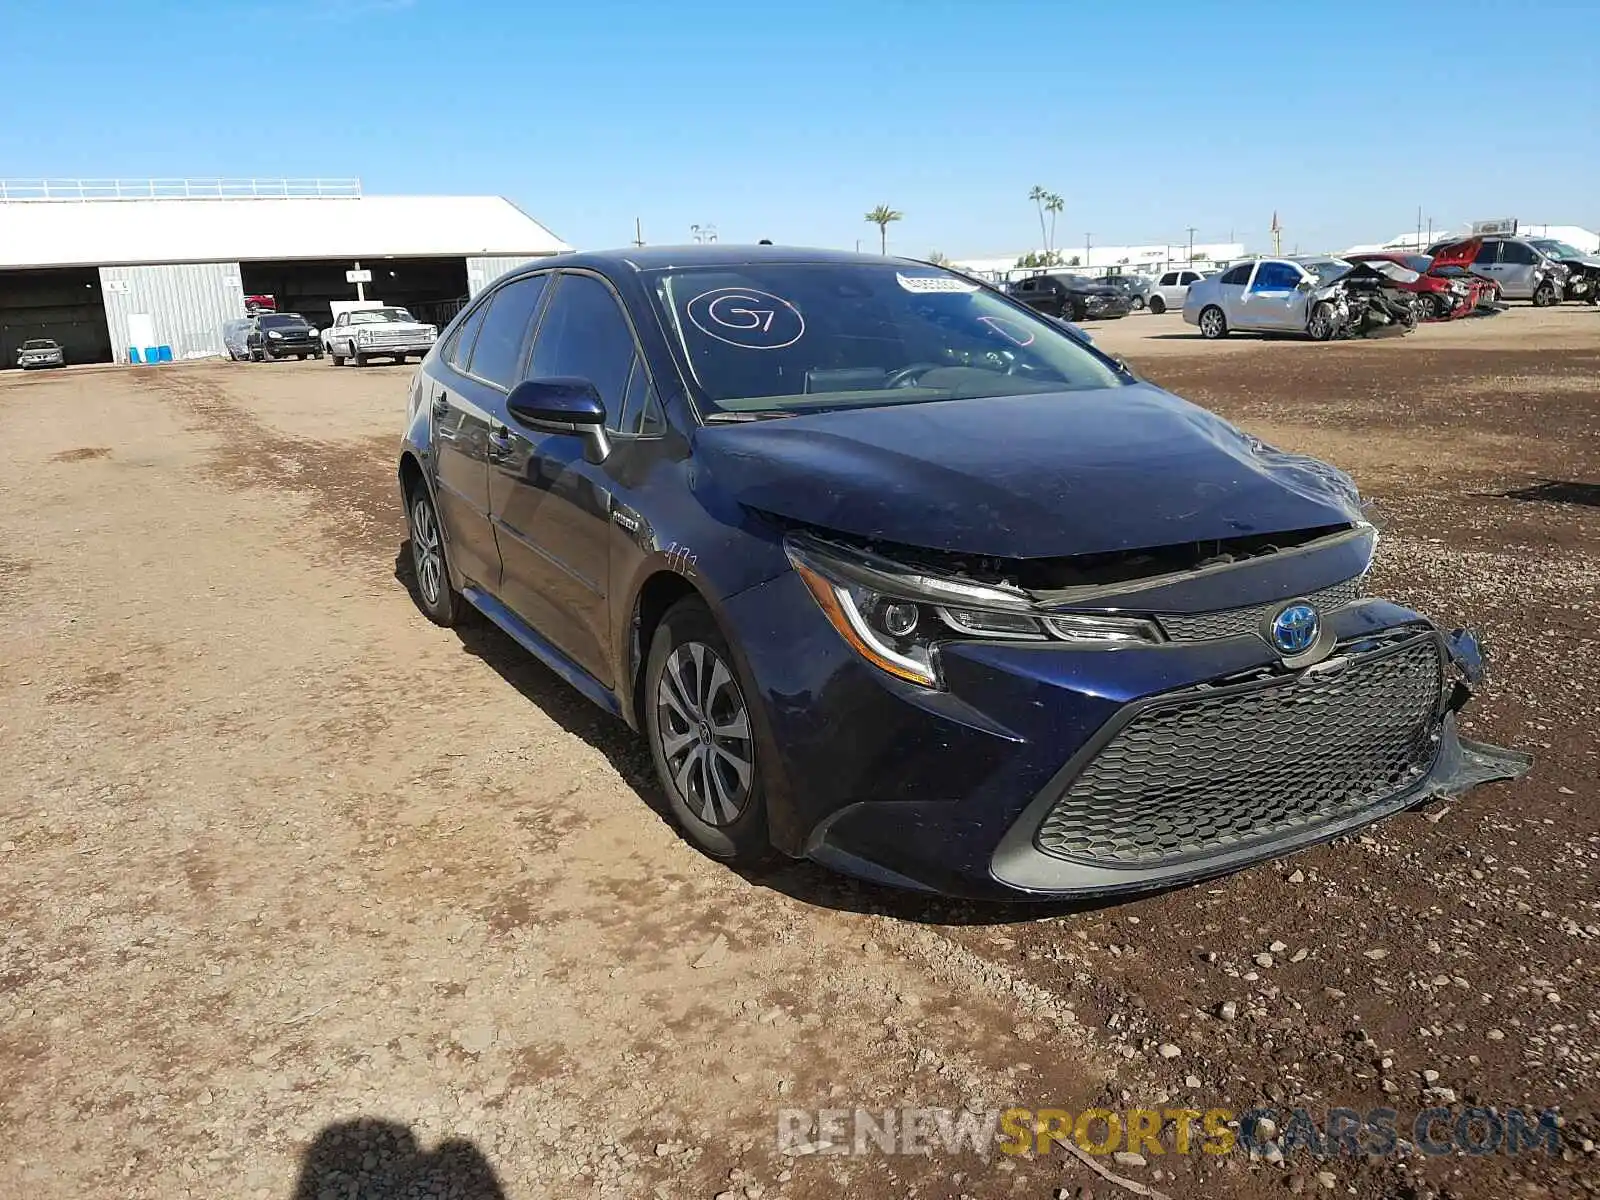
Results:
x,y
1445,287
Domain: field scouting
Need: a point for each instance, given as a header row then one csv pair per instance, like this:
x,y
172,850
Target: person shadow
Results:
x,y
372,1159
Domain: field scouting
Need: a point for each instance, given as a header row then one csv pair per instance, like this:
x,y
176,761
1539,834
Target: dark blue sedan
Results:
x,y
895,574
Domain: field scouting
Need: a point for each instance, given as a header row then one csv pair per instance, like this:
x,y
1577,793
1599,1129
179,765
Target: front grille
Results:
x,y
1236,622
1210,770
396,336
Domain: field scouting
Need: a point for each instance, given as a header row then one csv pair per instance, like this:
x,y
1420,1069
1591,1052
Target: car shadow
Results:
x,y
371,1159
1554,491
799,879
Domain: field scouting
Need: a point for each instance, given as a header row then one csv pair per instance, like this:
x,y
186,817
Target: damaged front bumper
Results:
x,y
1057,768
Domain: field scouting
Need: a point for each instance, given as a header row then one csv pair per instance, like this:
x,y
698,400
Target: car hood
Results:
x,y
1458,254
1031,476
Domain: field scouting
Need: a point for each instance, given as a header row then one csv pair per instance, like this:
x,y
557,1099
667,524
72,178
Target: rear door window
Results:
x,y
1240,275
459,352
1517,252
1488,253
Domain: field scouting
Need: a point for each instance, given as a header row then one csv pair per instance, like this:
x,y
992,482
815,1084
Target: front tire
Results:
x,y
436,597
1322,326
1213,324
356,356
1157,305
1546,296
701,734
1138,303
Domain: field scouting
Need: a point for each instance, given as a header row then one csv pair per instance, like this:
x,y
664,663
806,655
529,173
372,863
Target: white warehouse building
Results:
x,y
105,266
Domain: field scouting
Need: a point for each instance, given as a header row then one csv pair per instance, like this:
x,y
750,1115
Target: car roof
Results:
x,y
655,258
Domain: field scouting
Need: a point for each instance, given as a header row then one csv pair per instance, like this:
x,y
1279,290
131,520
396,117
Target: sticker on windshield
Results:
x,y
922,285
1012,331
746,318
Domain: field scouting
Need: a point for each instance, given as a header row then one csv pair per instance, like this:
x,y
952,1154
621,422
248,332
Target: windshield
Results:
x,y
282,321
377,316
38,344
1416,262
1557,249
784,338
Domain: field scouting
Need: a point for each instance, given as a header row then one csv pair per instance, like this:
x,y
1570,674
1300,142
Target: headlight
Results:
x,y
897,620
430,332
273,333
363,335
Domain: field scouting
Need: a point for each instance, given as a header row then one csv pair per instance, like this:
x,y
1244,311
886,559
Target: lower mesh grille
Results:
x,y
1236,622
1202,773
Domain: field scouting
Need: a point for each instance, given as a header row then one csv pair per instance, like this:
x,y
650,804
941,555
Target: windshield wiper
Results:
x,y
760,414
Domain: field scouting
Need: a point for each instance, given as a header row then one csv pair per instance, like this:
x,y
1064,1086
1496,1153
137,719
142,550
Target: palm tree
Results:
x,y
938,259
1038,195
1053,204
883,216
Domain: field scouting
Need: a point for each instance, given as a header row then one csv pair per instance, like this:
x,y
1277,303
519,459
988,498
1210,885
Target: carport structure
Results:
x,y
105,265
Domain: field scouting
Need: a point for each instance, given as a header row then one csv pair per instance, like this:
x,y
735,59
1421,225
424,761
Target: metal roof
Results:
x,y
105,232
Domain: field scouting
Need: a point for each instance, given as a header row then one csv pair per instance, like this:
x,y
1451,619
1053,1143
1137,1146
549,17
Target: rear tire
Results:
x,y
1138,303
701,732
335,356
1213,323
437,599
1157,305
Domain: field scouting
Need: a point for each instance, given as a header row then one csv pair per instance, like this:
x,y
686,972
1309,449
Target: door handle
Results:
x,y
499,441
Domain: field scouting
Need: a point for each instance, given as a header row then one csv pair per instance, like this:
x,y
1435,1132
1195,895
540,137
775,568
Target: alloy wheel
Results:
x,y
1212,323
426,552
705,733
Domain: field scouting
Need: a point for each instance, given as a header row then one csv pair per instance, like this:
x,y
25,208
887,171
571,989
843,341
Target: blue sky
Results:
x,y
790,120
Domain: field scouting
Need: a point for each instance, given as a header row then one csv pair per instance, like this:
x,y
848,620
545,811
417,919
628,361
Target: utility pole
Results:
x,y
1419,227
638,232
1430,232
1191,243
1087,246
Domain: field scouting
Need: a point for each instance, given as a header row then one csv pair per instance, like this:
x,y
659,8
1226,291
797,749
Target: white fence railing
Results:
x,y
174,189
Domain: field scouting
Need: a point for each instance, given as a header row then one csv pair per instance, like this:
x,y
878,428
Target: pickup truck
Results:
x,y
364,334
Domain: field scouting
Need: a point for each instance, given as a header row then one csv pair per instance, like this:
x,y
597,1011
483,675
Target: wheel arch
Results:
x,y
655,594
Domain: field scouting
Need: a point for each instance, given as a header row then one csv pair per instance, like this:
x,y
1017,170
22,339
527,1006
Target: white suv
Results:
x,y
1172,287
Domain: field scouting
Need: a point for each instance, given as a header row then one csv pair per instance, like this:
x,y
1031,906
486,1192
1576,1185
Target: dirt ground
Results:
x,y
303,897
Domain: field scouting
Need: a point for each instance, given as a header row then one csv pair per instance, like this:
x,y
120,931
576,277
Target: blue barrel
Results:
x,y
133,354
165,353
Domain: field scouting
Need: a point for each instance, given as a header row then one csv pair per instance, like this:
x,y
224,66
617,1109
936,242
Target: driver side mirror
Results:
x,y
563,404
1305,285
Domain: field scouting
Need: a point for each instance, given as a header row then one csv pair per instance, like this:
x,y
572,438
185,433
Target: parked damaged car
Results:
x,y
1324,299
1583,270
1443,289
893,573
1517,267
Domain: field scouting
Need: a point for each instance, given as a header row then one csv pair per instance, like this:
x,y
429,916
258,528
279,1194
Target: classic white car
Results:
x,y
369,333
